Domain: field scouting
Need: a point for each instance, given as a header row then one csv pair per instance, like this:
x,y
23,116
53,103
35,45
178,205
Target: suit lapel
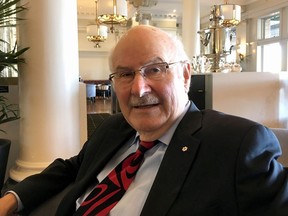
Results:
x,y
175,166
108,149
103,153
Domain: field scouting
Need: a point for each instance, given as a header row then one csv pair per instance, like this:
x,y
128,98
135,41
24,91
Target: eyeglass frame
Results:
x,y
141,71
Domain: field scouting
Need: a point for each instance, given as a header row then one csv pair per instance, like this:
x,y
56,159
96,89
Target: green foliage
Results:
x,y
8,18
8,112
9,58
8,10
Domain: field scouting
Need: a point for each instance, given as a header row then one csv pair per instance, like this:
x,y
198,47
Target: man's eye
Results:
x,y
125,74
154,69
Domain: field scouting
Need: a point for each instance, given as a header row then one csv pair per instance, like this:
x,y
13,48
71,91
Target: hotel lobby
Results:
x,y
54,104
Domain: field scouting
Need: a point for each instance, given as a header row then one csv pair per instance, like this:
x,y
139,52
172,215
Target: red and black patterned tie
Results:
x,y
108,192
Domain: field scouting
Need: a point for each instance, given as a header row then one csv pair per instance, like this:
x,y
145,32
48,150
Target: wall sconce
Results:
x,y
241,57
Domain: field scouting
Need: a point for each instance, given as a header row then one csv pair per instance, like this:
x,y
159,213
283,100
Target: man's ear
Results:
x,y
187,76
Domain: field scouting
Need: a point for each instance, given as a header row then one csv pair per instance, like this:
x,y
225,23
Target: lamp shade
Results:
x,y
232,14
112,11
95,30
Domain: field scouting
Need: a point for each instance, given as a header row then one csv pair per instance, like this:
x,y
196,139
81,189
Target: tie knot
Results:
x,y
144,146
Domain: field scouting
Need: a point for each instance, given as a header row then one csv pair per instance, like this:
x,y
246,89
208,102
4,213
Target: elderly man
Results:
x,y
195,162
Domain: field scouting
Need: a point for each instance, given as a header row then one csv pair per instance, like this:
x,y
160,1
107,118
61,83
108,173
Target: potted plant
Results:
x,y
8,112
9,58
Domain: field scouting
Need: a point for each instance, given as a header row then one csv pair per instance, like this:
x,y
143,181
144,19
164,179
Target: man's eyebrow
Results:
x,y
123,68
151,61
154,60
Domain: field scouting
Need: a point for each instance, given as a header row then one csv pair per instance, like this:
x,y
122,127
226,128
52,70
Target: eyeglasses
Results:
x,y
152,72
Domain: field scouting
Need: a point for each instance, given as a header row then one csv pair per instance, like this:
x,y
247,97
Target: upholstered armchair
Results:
x,y
282,135
49,208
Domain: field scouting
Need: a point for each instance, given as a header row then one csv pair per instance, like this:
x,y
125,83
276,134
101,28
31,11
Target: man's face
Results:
x,y
150,106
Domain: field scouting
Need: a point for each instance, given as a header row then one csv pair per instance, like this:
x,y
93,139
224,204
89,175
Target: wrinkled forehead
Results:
x,y
141,45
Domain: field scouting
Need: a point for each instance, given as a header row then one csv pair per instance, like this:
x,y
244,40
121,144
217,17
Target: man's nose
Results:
x,y
140,84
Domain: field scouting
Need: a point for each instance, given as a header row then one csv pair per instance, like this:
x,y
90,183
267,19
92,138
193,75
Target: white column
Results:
x,y
190,26
48,85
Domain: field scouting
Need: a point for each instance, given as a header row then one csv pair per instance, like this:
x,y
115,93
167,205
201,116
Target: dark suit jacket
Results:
x,y
230,168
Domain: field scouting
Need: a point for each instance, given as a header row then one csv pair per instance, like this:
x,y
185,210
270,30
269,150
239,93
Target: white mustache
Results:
x,y
145,100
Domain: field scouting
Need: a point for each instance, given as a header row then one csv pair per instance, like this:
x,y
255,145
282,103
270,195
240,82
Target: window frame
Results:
x,y
261,32
262,41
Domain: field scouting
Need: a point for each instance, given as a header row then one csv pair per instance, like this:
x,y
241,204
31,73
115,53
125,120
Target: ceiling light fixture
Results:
x,y
112,12
96,33
143,3
231,14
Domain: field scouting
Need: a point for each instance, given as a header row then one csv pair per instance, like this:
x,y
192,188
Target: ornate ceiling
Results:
x,y
164,12
86,8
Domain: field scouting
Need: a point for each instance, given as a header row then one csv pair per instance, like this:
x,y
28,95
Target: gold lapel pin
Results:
x,y
184,148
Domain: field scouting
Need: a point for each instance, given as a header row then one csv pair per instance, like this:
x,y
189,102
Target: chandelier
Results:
x,y
143,3
112,12
231,14
96,33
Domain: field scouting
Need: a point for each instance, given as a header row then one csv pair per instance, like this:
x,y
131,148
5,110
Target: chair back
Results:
x,y
4,154
90,90
282,136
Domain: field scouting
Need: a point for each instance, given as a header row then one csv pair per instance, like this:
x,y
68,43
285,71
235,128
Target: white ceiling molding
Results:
x,y
258,9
